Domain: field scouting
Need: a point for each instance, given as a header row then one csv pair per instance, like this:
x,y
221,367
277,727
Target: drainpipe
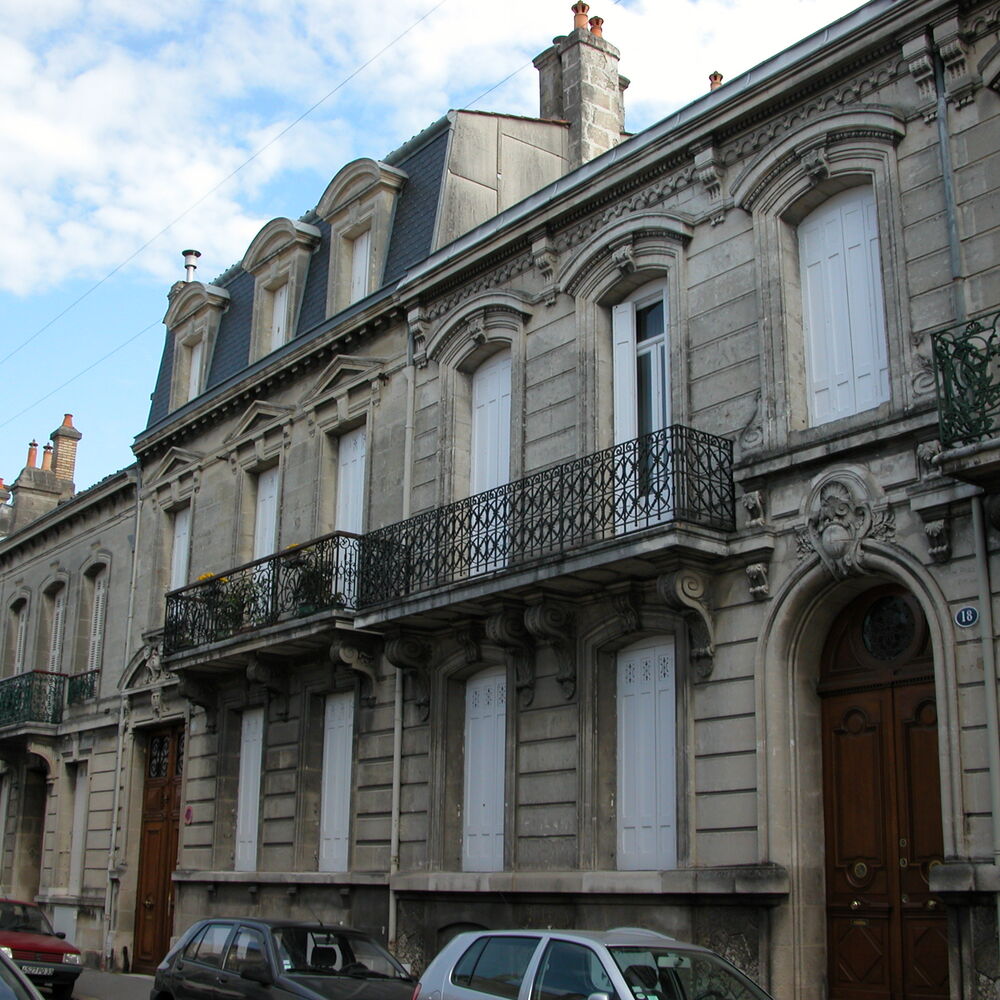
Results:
x,y
397,705
987,642
111,893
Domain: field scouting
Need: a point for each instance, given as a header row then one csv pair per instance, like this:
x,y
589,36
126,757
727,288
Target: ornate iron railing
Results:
x,y
295,583
81,687
677,474
36,696
967,370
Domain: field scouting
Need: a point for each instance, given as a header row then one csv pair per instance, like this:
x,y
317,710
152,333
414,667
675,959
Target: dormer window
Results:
x,y
195,362
278,259
193,319
359,206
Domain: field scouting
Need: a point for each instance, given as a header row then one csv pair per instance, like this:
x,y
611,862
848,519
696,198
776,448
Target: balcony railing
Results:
x,y
81,687
318,576
677,474
36,696
967,369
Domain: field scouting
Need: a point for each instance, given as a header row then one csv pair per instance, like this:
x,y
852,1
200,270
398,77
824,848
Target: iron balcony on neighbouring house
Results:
x,y
32,697
302,580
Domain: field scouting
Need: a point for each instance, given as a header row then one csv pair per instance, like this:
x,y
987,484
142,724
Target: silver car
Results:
x,y
622,964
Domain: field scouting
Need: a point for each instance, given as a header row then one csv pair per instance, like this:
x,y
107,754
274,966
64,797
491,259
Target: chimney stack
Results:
x,y
714,80
32,460
579,83
65,439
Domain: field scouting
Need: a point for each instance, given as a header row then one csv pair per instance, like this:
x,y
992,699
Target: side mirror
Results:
x,y
61,935
258,972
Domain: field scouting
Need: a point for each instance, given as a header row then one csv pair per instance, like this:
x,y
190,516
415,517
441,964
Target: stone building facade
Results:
x,y
601,539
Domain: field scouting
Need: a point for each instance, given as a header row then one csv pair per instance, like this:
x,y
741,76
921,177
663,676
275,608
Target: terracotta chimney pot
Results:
x,y
595,27
32,455
580,14
47,458
714,80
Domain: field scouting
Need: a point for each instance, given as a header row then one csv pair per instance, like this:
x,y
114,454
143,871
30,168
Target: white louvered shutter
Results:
x,y
279,317
265,536
491,424
351,481
335,808
180,552
58,628
623,328
21,639
248,793
485,771
360,265
95,646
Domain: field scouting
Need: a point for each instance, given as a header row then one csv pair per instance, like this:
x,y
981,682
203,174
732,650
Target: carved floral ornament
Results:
x,y
842,518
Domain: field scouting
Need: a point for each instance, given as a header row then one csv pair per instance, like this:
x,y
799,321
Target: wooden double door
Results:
x,y
886,931
161,800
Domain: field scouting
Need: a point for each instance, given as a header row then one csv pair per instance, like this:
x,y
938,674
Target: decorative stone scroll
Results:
x,y
200,694
506,629
412,655
686,591
552,625
360,657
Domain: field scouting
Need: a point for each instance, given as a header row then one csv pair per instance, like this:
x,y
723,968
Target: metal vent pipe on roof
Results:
x,y
190,263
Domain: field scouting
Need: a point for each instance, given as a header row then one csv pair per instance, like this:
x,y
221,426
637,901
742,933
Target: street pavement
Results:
x,y
94,985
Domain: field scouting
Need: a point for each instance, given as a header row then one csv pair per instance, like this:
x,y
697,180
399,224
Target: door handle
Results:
x,y
149,902
856,904
931,904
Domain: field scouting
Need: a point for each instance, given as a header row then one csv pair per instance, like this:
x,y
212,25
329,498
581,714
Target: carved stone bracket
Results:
x,y
552,625
709,169
623,254
202,695
960,80
416,323
360,657
546,260
843,517
412,655
261,672
753,504
918,55
813,160
760,588
686,591
506,629
626,608
938,539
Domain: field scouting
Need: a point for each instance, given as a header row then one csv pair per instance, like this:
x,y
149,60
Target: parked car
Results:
x,y
44,955
623,964
14,984
278,960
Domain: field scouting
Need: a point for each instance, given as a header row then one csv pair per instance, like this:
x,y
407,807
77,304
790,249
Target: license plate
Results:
x,y
35,970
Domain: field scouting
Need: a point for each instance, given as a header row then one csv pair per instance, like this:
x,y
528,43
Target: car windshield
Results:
x,y
23,917
676,974
331,953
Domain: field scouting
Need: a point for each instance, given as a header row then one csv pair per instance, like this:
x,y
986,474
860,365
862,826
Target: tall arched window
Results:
x,y
17,636
98,592
842,307
55,622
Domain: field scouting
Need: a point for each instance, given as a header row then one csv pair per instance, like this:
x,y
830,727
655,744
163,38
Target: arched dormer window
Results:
x,y
192,318
358,204
278,259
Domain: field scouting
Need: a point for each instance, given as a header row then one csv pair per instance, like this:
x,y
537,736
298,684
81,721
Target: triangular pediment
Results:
x,y
257,418
175,461
342,374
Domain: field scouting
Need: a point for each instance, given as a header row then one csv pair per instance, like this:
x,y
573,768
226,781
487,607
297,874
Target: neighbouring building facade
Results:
x,y
561,527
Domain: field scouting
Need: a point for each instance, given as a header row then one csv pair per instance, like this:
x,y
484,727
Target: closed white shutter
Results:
x,y
491,424
248,793
351,481
623,331
265,535
78,838
335,809
58,627
360,262
647,765
842,307
279,317
95,647
180,552
485,769
21,639
196,359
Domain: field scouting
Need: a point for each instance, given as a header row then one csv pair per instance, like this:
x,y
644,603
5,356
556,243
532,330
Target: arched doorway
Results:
x,y
886,932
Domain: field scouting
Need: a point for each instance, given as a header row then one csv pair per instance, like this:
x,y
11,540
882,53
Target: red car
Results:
x,y
44,956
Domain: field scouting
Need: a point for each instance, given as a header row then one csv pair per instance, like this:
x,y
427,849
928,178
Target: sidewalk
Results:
x,y
94,985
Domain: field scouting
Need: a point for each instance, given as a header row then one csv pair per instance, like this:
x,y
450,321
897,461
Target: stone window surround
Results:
x,y
362,197
604,272
779,187
193,316
50,591
482,328
20,605
278,255
99,563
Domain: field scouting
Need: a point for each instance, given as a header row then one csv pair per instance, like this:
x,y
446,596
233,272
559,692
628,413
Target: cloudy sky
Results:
x,y
132,130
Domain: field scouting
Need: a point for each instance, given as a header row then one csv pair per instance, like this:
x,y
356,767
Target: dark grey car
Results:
x,y
623,964
245,959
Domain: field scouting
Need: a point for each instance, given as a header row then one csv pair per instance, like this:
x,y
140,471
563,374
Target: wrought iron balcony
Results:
x,y
967,369
300,581
677,474
35,696
81,687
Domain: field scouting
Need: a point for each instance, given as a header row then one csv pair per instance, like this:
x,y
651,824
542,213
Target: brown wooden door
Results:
x,y
161,800
886,932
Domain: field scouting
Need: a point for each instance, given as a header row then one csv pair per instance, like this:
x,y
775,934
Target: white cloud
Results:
x,y
119,116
